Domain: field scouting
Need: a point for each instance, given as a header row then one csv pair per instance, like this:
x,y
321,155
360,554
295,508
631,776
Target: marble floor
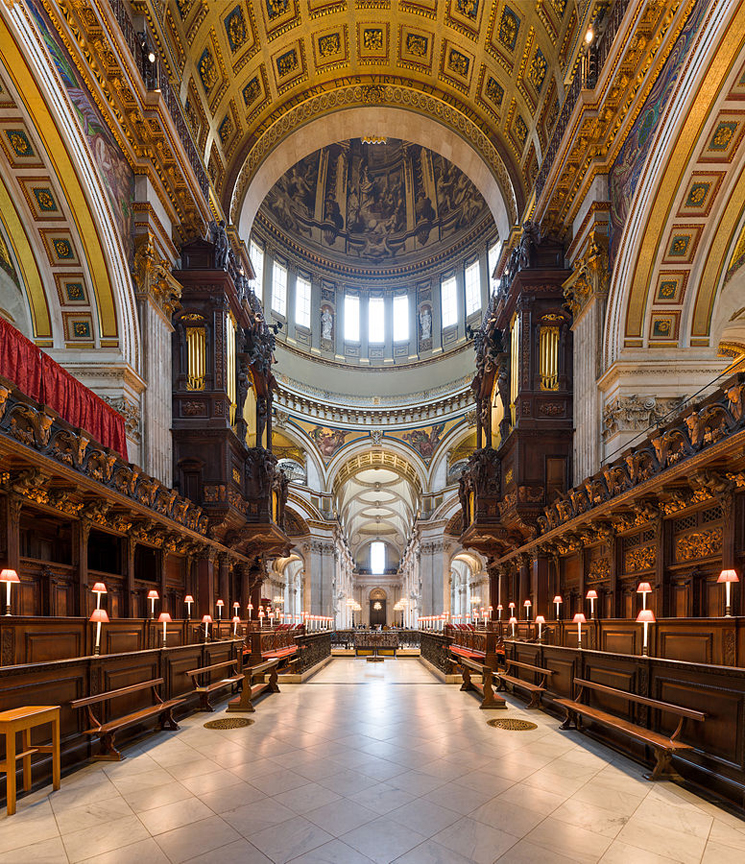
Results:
x,y
368,762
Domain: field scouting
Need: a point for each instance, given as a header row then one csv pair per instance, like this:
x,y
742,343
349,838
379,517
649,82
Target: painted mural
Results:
x,y
375,201
426,440
113,168
328,440
625,172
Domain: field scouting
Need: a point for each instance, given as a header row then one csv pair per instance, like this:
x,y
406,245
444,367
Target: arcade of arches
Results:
x,y
320,318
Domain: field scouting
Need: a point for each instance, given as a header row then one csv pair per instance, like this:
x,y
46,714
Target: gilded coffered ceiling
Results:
x,y
252,71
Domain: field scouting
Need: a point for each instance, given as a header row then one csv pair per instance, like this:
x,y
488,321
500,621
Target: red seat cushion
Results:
x,y
466,652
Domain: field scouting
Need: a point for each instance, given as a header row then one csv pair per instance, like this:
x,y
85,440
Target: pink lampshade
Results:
x,y
490,609
99,616
207,619
500,607
644,588
579,618
153,595
220,603
558,599
527,603
99,588
512,605
728,576
188,599
513,621
164,618
591,595
646,615
539,619
236,619
9,576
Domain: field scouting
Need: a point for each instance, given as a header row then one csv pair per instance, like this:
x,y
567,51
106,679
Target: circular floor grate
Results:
x,y
229,723
512,725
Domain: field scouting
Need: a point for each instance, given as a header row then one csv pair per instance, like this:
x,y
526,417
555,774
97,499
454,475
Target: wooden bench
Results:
x,y
204,690
250,690
535,690
107,731
665,746
485,688
255,653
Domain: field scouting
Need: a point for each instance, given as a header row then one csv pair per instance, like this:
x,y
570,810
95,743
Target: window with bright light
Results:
x,y
449,302
279,289
351,318
401,318
494,252
377,557
473,288
256,253
302,302
376,320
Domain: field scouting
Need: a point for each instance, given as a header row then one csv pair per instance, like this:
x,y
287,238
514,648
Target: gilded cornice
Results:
x,y
602,118
138,118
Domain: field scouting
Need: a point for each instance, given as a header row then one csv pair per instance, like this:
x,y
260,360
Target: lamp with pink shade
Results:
x,y
645,617
579,619
728,577
100,617
10,577
644,588
558,600
164,618
98,589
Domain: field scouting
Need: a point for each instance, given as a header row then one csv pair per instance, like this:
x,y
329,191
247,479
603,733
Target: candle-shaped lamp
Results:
x,y
513,621
250,609
644,589
527,604
100,617
579,620
219,604
499,611
645,617
10,577
728,577
261,617
236,608
152,596
540,621
98,589
490,610
511,607
558,600
207,620
165,619
236,622
592,596
188,600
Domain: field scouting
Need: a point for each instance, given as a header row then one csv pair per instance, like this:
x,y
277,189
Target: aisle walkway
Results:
x,y
369,762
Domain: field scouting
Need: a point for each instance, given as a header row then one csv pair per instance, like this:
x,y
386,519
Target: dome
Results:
x,y
374,208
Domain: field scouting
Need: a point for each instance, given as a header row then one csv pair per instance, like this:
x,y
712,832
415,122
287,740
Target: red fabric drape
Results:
x,y
45,381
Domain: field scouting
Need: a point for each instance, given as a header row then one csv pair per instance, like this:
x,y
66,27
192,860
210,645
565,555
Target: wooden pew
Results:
x,y
107,731
481,646
270,645
665,746
250,690
535,690
235,677
485,688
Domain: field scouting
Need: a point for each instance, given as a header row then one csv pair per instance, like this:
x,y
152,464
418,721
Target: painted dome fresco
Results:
x,y
384,202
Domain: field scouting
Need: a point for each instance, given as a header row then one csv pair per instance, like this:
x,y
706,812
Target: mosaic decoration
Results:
x,y
45,200
365,215
275,8
726,137
679,246
682,243
425,441
372,39
235,27
207,70
494,90
512,724
287,63
468,8
538,69
78,327
251,91
700,194
75,292
626,170
458,63
664,327
229,723
723,136
670,286
509,27
63,249
19,143
329,45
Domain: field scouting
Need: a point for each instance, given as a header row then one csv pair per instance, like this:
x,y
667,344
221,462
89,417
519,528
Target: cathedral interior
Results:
x,y
401,332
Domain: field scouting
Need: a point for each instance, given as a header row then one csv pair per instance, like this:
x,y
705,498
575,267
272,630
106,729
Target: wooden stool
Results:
x,y
23,720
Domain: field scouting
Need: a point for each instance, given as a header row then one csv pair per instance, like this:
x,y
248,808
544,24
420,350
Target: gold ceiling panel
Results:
x,y
255,61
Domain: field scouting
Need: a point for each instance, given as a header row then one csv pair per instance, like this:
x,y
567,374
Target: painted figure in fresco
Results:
x,y
425,322
425,443
327,440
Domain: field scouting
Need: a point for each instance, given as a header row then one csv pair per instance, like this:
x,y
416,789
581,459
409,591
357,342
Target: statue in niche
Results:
x,y
327,323
219,238
425,323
